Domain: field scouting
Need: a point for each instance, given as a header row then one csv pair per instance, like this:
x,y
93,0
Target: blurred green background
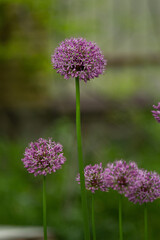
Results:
x,y
116,108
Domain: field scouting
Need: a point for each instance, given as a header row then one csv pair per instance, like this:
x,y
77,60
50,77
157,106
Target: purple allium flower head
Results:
x,y
43,156
75,57
120,175
94,178
146,188
156,113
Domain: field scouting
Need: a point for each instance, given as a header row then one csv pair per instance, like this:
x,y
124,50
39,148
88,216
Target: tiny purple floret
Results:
x,y
94,178
156,113
76,57
146,188
43,157
120,176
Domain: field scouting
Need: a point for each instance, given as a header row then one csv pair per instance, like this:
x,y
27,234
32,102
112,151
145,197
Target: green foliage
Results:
x,y
134,137
29,32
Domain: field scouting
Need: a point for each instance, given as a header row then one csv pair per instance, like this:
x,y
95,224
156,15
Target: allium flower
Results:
x,y
146,188
94,178
120,176
76,57
156,113
43,156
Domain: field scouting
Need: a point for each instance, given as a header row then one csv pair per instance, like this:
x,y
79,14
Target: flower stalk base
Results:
x,y
120,218
44,209
81,165
145,222
93,219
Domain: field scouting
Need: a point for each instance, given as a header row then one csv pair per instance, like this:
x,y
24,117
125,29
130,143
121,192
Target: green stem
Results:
x,y
145,222
93,219
81,165
120,218
44,208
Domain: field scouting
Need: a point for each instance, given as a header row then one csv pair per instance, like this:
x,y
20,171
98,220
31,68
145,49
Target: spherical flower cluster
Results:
x,y
76,57
94,178
146,188
156,113
138,185
43,157
121,176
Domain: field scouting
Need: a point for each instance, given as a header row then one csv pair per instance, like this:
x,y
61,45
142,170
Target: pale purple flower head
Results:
x,y
120,176
76,57
146,188
43,157
94,178
156,113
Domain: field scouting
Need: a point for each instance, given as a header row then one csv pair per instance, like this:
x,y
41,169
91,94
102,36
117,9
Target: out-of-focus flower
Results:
x,y
94,178
43,157
146,188
156,113
121,176
76,57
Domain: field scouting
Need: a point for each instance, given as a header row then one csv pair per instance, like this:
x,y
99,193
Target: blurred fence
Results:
x,y
128,34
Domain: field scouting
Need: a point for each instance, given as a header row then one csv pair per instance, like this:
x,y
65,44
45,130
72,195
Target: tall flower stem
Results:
x,y
44,209
145,222
81,165
120,218
93,219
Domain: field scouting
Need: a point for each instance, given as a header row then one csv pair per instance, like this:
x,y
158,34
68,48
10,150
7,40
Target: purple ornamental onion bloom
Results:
x,y
43,157
121,176
146,188
94,178
156,113
75,57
